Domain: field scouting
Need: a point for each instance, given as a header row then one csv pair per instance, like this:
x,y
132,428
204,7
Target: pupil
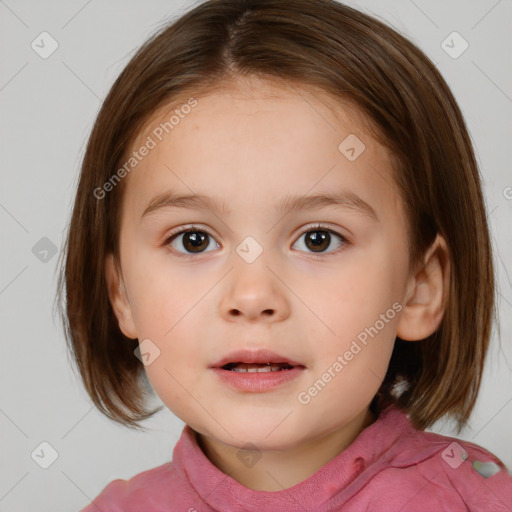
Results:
x,y
318,241
193,240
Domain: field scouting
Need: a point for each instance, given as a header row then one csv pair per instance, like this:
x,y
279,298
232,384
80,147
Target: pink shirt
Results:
x,y
390,466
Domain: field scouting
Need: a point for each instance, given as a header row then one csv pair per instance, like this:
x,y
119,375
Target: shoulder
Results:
x,y
447,472
155,487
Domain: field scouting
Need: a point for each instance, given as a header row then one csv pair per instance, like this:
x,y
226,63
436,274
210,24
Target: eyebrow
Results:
x,y
341,199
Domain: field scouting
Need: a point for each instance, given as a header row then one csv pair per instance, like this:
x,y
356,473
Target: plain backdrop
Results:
x,y
48,106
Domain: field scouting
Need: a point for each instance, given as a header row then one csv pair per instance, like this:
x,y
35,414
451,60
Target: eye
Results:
x,y
318,238
193,241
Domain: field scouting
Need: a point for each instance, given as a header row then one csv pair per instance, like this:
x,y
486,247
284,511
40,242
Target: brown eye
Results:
x,y
319,239
190,241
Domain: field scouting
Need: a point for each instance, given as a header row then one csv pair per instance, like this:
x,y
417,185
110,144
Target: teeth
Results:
x,y
257,368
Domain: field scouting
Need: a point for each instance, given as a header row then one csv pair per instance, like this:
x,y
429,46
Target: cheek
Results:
x,y
352,295
166,305
162,297
356,313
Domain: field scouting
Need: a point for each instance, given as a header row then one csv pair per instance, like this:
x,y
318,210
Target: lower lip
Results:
x,y
258,382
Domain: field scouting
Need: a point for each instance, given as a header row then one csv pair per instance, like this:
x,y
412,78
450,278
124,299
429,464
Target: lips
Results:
x,y
248,357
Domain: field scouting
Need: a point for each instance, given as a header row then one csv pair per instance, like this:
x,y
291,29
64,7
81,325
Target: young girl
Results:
x,y
280,223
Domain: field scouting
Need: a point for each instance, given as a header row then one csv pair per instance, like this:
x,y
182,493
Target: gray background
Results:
x,y
47,110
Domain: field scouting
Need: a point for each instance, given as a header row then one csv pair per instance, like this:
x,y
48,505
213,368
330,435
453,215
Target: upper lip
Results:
x,y
260,356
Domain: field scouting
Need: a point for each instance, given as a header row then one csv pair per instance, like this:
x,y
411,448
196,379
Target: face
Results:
x,y
321,284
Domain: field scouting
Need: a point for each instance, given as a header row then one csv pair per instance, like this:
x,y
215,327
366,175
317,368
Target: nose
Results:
x,y
255,293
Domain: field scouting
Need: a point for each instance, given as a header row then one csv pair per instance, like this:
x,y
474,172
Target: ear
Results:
x,y
427,294
119,298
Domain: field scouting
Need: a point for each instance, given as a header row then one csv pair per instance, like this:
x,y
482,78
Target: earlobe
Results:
x,y
427,294
119,298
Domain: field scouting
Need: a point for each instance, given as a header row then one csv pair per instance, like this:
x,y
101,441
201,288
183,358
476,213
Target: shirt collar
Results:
x,y
337,480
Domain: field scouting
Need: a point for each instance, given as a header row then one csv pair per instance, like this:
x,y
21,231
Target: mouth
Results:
x,y
257,371
256,361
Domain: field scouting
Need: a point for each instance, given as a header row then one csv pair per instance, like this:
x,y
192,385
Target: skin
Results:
x,y
251,144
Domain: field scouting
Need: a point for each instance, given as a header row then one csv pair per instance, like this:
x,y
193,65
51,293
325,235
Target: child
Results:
x,y
280,222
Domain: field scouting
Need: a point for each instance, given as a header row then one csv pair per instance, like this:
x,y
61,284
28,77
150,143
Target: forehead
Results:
x,y
253,142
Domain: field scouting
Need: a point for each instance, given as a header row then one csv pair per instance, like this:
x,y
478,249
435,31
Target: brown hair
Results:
x,y
355,59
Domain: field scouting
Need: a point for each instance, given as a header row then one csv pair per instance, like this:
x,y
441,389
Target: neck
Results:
x,y
278,470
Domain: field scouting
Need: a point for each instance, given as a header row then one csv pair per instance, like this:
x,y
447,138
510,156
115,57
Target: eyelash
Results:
x,y
316,227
